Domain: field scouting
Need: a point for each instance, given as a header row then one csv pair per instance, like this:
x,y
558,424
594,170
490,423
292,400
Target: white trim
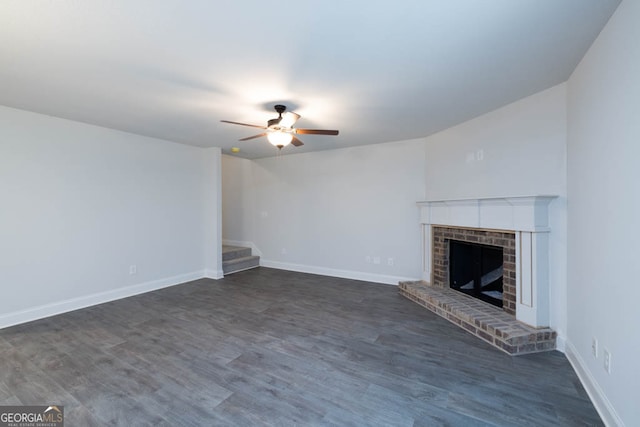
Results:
x,y
598,398
427,250
521,213
213,274
52,309
246,244
561,343
332,272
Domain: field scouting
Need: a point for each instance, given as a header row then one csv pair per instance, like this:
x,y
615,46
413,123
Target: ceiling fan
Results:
x,y
280,131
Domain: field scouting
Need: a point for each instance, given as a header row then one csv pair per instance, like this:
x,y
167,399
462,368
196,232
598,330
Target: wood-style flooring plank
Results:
x,y
271,347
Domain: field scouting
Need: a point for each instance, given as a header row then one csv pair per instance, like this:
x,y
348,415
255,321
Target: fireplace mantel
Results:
x,y
522,213
527,217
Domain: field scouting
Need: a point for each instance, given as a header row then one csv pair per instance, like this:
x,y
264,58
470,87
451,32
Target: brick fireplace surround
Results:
x,y
519,226
505,240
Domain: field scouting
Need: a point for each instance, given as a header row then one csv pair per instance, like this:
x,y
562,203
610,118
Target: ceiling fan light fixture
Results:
x,y
280,131
280,139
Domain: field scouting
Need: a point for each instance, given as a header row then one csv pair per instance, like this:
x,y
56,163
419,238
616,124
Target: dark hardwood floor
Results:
x,y
270,347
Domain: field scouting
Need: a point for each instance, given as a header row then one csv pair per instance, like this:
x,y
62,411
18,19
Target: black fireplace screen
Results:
x,y
476,270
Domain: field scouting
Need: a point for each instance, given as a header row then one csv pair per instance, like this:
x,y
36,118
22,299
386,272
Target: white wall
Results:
x,y
238,204
522,145
603,215
517,150
80,204
326,212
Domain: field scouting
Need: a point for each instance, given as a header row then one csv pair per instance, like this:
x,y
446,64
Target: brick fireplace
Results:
x,y
518,225
442,236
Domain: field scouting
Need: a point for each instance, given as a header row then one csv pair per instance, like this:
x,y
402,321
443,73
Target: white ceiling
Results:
x,y
376,70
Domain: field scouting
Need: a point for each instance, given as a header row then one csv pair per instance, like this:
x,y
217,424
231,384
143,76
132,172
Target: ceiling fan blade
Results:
x,y
289,119
242,124
254,136
316,132
296,142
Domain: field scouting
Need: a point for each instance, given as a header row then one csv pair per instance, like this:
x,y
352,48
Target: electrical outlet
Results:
x,y
283,251
367,259
594,347
376,260
133,269
607,360
390,262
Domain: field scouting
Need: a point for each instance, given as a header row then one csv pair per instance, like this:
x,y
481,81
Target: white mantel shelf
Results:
x,y
527,217
520,213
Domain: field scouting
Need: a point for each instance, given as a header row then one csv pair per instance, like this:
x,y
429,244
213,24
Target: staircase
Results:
x,y
236,258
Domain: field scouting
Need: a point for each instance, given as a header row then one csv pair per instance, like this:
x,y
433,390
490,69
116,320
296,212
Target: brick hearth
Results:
x,y
483,320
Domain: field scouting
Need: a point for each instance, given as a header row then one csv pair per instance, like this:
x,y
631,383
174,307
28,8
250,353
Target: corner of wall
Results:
x,y
212,196
213,274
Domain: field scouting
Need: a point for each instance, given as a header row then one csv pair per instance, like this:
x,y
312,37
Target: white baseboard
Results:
x,y
561,343
245,244
598,398
55,308
345,274
312,269
52,309
213,274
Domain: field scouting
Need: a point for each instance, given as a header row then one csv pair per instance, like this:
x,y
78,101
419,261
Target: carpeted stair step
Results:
x,y
240,264
237,258
232,252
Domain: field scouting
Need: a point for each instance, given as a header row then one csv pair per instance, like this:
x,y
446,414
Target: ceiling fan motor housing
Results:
x,y
273,123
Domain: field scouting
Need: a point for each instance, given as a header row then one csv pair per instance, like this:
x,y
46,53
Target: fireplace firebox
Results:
x,y
476,270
